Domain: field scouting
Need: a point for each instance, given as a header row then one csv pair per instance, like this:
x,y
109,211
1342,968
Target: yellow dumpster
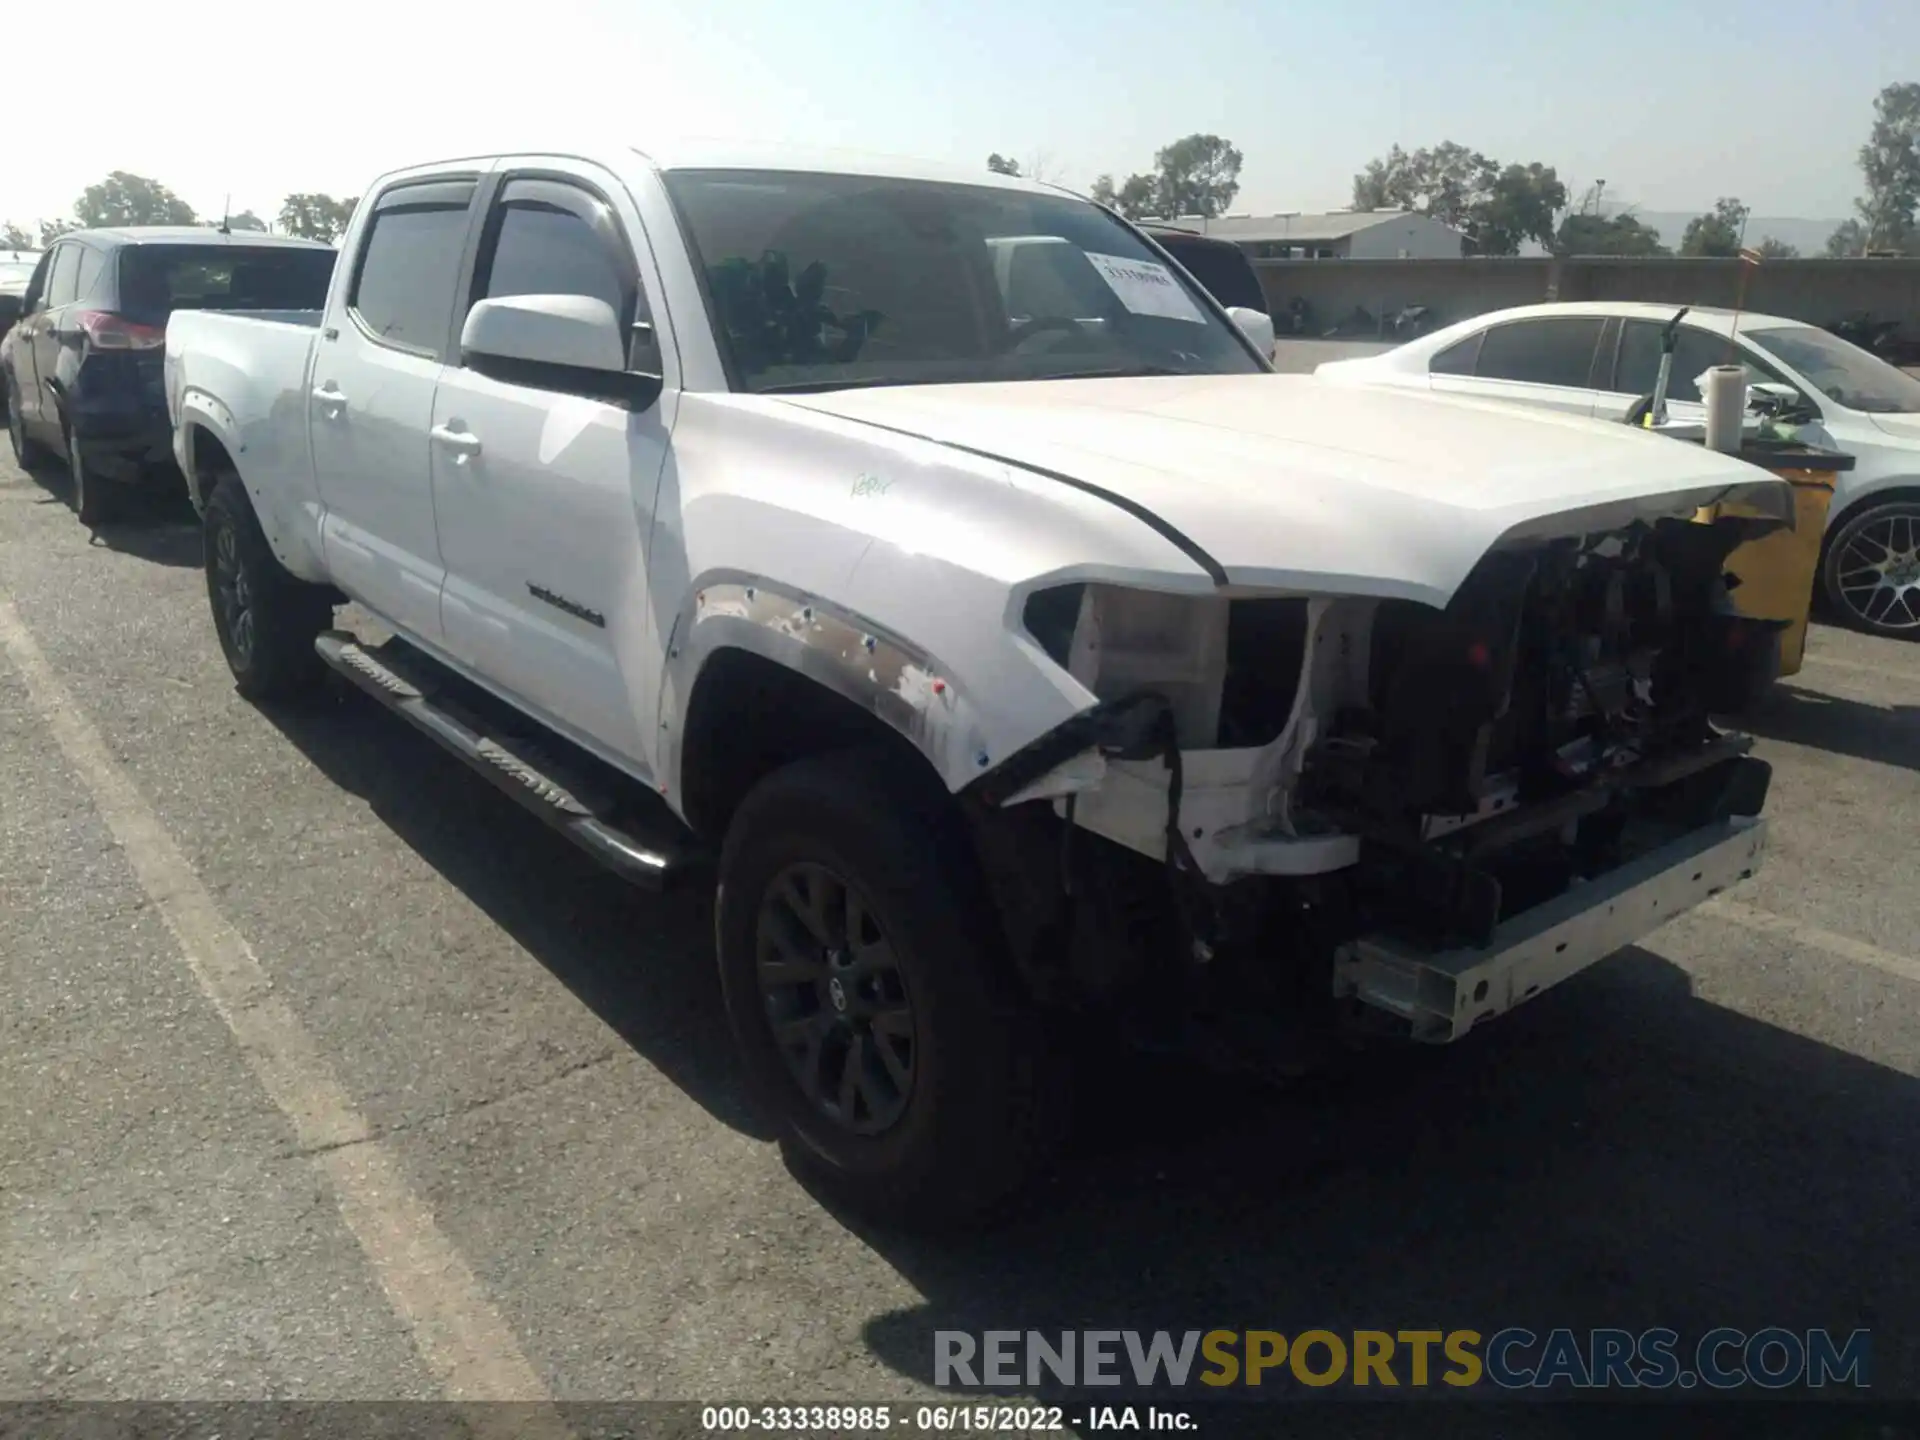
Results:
x,y
1777,571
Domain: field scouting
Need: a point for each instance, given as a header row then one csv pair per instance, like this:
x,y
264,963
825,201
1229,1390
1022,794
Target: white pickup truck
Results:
x,y
1009,654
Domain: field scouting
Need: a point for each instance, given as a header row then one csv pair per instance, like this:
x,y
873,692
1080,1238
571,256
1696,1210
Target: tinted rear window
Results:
x,y
156,280
1541,352
1222,268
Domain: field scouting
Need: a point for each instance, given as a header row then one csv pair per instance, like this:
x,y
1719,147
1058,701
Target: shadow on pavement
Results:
x,y
1889,734
153,522
642,963
1617,1154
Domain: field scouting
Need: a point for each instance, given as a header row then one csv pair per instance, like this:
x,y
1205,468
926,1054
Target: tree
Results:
x,y
1772,249
1133,199
1848,240
15,237
127,199
1890,164
1001,165
1496,207
246,220
1197,175
1520,205
315,216
52,230
1587,233
1718,231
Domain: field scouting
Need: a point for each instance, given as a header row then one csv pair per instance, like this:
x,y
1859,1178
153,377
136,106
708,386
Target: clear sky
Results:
x,y
1672,102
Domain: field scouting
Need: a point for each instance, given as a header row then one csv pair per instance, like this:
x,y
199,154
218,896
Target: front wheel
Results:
x,y
868,990
1872,569
266,618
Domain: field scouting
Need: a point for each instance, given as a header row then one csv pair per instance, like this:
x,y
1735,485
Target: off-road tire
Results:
x,y
29,453
989,1099
272,655
96,500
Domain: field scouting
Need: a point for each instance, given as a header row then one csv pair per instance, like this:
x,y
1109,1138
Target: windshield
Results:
x,y
823,281
156,280
1843,372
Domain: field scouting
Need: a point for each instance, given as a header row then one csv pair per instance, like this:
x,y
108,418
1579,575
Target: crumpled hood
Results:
x,y
1289,483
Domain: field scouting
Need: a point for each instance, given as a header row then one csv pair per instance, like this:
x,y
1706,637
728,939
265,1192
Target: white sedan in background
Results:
x,y
1596,358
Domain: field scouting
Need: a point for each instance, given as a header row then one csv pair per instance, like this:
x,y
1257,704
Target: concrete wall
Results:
x,y
1817,291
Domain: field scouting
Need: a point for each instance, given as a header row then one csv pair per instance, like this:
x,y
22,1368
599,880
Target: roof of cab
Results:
x,y
748,155
190,235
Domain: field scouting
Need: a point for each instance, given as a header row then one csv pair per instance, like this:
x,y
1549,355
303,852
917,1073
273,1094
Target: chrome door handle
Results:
x,y
335,400
463,443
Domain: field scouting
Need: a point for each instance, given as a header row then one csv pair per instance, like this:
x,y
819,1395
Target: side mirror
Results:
x,y
1256,325
1772,396
570,343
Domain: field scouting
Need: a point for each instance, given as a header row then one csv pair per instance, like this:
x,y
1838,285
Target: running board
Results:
x,y
648,849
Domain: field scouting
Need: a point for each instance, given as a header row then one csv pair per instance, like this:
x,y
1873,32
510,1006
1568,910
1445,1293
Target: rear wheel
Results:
x,y
868,989
28,452
1872,568
266,618
95,500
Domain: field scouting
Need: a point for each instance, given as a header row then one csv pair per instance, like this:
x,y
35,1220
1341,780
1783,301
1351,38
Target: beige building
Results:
x,y
1338,235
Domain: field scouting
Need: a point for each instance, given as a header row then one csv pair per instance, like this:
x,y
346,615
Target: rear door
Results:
x,y
370,399
545,489
1546,363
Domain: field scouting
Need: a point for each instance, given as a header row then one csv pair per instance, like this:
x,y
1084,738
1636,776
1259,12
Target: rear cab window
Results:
x,y
409,263
156,280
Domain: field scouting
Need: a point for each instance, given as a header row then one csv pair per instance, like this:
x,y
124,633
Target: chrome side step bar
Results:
x,y
567,798
1444,994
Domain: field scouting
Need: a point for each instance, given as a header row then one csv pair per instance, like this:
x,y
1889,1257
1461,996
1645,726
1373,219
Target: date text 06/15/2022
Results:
x,y
964,1419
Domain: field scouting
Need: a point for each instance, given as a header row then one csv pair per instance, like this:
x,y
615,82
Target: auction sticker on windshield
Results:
x,y
1146,287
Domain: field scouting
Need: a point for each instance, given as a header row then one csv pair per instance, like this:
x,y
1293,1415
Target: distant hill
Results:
x,y
1809,237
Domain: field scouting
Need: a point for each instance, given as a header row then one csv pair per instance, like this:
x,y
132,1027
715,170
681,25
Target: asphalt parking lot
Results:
x,y
331,1074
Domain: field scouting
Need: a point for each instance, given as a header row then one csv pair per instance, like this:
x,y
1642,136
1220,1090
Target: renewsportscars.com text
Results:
x,y
1510,1359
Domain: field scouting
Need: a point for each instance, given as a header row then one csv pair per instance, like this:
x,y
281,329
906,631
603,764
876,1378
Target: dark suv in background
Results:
x,y
83,366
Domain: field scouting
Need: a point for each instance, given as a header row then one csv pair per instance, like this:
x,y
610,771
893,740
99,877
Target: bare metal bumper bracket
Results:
x,y
1444,994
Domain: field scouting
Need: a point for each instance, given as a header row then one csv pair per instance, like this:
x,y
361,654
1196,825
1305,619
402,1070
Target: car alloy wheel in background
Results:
x,y
1873,569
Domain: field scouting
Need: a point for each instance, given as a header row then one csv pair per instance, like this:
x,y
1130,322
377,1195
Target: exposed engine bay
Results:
x,y
1304,771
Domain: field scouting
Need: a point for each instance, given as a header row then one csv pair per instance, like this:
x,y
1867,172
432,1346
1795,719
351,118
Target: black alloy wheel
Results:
x,y
835,999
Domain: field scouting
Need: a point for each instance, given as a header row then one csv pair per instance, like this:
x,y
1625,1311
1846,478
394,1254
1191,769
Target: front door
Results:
x,y
1695,351
370,402
63,275
545,491
32,316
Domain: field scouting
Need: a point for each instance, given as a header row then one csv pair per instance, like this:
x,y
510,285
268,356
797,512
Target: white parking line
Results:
x,y
1840,947
458,1333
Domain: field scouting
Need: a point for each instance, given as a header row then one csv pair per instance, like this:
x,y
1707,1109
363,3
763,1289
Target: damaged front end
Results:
x,y
1289,813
